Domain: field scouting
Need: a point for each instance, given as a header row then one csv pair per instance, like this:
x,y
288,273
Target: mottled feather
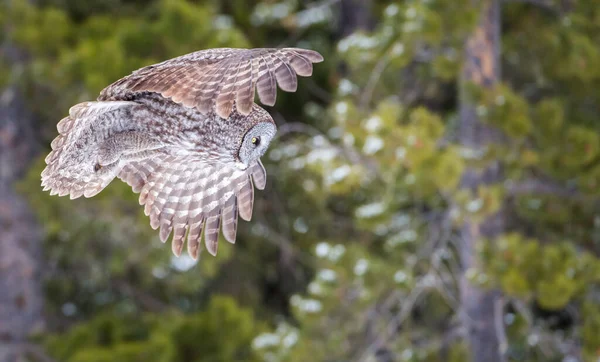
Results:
x,y
68,170
185,134
211,79
219,192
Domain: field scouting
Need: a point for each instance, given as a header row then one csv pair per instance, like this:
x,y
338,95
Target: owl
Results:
x,y
185,134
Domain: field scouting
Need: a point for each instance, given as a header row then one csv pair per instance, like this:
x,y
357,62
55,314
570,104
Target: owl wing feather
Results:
x,y
218,79
183,195
69,165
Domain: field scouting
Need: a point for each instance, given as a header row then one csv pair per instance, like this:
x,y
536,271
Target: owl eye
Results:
x,y
256,141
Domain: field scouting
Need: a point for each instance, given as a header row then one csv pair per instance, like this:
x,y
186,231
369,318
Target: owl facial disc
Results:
x,y
255,143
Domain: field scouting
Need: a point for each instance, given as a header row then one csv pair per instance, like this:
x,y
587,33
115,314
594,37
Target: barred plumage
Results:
x,y
218,78
185,134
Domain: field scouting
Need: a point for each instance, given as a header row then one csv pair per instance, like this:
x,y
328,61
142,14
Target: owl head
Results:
x,y
257,137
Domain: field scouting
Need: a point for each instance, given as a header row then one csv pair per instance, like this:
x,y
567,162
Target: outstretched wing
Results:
x,y
215,79
70,164
185,196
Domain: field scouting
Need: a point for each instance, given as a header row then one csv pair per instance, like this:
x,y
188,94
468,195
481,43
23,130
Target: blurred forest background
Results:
x,y
433,193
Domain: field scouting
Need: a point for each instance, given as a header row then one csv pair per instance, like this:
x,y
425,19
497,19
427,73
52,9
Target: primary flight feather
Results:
x,y
185,134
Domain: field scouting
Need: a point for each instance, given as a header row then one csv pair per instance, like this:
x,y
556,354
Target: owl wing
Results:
x,y
215,79
185,195
69,166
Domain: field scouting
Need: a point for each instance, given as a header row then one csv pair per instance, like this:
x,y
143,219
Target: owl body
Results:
x,y
185,134
184,130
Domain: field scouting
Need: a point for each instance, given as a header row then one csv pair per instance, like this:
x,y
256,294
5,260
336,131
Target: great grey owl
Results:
x,y
186,134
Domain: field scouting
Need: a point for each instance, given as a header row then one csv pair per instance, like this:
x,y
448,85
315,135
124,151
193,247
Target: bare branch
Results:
x,y
279,240
424,284
499,325
373,80
543,187
316,90
348,152
148,301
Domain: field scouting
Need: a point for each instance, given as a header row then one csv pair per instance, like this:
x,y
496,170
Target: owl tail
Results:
x,y
72,167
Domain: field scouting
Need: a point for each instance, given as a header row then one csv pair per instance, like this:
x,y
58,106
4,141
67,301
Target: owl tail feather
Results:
x,y
71,166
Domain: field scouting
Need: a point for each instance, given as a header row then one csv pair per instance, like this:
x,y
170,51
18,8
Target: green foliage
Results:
x,y
200,337
394,162
354,250
553,274
162,337
590,329
127,256
85,57
506,110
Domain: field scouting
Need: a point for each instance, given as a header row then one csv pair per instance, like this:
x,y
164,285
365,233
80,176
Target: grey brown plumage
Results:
x,y
218,78
185,134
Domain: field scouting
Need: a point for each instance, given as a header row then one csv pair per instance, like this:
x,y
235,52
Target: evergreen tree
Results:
x,y
432,195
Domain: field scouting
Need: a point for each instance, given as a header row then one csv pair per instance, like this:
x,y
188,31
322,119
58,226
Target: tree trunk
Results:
x,y
354,15
21,298
481,309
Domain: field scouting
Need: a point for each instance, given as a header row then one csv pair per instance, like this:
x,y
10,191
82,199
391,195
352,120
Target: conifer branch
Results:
x,y
547,5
